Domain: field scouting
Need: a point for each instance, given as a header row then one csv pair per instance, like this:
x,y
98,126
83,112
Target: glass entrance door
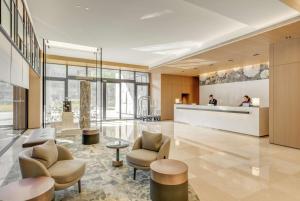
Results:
x,y
127,100
142,106
111,100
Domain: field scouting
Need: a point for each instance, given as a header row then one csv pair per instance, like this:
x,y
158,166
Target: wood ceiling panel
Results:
x,y
240,52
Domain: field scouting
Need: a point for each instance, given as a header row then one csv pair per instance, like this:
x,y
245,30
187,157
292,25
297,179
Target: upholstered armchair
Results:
x,y
62,167
146,149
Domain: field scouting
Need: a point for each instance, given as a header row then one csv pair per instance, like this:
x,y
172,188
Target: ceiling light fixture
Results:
x,y
169,46
87,8
156,14
70,46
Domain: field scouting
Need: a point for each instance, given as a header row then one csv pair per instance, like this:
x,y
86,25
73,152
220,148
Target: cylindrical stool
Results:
x,y
169,180
90,136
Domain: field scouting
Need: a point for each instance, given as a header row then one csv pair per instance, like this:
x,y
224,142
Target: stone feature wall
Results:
x,y
247,73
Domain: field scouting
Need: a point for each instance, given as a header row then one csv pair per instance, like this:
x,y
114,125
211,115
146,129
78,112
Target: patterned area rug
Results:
x,y
101,181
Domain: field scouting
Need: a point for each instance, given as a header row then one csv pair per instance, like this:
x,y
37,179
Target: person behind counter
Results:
x,y
246,101
212,100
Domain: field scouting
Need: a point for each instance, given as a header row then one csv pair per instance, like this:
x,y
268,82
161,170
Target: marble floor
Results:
x,y
223,166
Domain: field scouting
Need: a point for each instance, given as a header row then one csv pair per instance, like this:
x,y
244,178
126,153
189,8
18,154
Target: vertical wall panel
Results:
x,y
5,59
172,87
285,93
25,83
16,68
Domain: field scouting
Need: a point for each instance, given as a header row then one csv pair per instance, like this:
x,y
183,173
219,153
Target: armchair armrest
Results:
x,y
63,153
137,143
164,150
32,168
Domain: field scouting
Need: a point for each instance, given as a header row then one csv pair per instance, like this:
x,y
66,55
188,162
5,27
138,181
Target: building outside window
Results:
x,y
6,104
17,25
120,91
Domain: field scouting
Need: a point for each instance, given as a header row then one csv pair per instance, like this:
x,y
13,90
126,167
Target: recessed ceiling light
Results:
x,y
87,8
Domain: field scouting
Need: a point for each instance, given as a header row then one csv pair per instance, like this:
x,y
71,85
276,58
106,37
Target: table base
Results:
x,y
161,192
117,163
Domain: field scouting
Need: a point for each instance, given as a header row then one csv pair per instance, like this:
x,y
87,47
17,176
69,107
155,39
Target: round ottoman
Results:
x,y
169,180
90,136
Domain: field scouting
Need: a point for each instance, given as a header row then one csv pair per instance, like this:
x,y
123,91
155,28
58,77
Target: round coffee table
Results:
x,y
117,145
169,180
33,189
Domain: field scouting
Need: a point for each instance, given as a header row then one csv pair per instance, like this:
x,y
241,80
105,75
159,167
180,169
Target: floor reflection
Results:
x,y
223,166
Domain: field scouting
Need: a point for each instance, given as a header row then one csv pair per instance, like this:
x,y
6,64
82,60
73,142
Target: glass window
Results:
x,y
77,71
127,100
95,101
13,22
55,70
20,8
7,3
141,77
55,95
110,73
20,27
142,101
5,17
6,104
127,75
74,97
92,72
112,101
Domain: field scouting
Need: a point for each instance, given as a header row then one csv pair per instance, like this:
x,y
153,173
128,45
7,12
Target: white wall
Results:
x,y
231,94
13,67
156,90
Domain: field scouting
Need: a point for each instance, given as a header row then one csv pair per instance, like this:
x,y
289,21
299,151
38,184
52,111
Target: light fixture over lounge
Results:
x,y
70,46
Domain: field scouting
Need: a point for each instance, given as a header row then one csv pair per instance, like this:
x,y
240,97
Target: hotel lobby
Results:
x,y
176,100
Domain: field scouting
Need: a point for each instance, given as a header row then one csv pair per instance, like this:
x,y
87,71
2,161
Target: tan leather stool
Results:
x,y
169,180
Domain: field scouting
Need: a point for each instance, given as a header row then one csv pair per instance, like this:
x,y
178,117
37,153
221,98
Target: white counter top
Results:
x,y
229,109
247,120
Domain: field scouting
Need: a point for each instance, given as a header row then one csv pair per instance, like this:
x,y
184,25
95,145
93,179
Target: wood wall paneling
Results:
x,y
34,100
285,93
271,95
240,51
172,87
295,4
91,63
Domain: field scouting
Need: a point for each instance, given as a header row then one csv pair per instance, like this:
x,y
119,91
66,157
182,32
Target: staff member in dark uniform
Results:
x,y
212,100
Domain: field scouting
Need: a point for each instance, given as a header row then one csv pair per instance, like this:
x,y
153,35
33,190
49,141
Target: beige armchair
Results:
x,y
146,149
65,170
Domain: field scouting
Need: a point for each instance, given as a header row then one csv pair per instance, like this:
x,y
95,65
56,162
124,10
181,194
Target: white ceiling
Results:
x,y
151,32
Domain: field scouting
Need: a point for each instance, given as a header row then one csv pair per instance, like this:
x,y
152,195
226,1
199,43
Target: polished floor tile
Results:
x,y
223,166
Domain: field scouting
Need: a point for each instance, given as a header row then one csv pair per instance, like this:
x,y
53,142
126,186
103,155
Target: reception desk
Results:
x,y
246,120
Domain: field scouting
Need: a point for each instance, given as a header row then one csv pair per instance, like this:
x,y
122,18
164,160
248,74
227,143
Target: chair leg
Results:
x,y
134,173
79,186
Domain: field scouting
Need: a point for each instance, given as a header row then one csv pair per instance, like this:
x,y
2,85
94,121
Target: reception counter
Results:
x,y
246,120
